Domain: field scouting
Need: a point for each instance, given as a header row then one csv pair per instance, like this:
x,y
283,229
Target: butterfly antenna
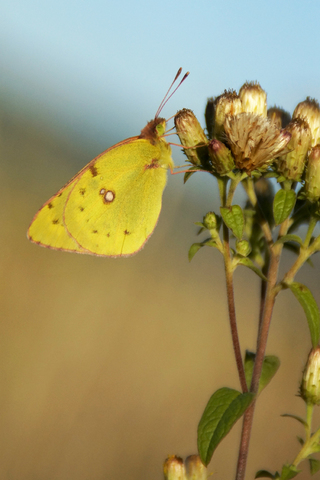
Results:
x,y
166,97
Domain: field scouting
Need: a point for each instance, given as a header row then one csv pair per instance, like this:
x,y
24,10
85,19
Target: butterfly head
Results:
x,y
154,130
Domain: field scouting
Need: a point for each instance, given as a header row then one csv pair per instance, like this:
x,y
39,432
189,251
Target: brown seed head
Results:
x,y
254,141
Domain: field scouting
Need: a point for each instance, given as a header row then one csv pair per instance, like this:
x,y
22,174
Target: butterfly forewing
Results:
x,y
113,206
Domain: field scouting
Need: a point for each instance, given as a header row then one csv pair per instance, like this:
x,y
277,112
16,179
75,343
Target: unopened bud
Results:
x,y
209,116
195,470
210,221
253,99
309,110
312,185
191,135
254,141
310,385
226,104
174,468
221,157
279,116
291,165
243,248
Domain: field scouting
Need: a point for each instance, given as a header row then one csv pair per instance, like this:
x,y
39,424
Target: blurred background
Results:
x,y
106,365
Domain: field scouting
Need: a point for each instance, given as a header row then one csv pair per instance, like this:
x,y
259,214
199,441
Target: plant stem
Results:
x,y
310,408
229,281
270,296
232,310
312,224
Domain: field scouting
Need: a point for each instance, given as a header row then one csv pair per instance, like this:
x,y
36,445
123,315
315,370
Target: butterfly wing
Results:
x,y
47,227
111,207
114,206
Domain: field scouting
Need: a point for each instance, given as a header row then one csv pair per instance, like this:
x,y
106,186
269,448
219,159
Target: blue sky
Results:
x,y
105,65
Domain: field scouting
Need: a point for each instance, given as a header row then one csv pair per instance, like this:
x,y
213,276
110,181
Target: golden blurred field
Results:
x,y
106,365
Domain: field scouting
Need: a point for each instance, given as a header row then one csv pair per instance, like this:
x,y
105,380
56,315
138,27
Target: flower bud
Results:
x,y
195,469
254,141
279,116
310,385
209,116
191,134
309,110
221,157
312,178
174,468
226,104
253,99
243,248
210,221
291,165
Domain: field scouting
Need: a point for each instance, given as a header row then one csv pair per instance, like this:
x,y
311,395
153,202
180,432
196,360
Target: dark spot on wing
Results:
x,y
55,222
154,164
93,170
50,205
108,234
126,232
82,191
60,194
81,209
94,231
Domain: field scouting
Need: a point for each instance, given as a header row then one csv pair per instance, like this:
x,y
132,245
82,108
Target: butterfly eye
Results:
x,y
108,195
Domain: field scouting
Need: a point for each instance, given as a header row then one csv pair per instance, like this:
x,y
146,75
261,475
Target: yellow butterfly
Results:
x,y
111,207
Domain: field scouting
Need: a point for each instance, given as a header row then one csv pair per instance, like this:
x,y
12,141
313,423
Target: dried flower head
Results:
x,y
226,104
221,157
309,110
279,116
253,99
209,116
195,470
310,385
254,140
174,468
191,134
312,178
291,165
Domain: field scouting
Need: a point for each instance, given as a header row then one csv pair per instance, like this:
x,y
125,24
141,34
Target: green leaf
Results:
x,y
195,247
234,219
191,171
283,203
224,408
295,417
288,472
271,363
266,474
310,307
314,465
247,262
289,238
